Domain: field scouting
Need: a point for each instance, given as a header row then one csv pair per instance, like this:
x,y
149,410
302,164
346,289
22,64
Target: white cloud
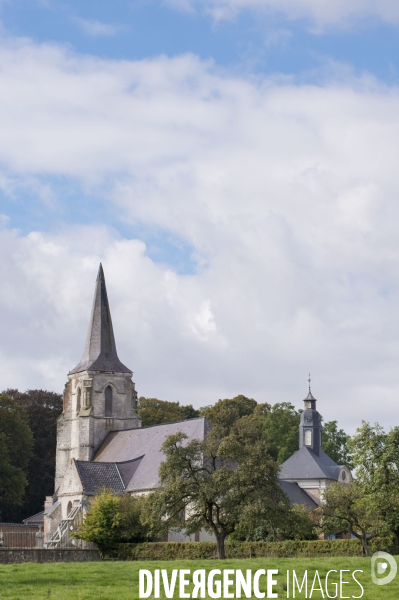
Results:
x,y
97,28
321,12
286,192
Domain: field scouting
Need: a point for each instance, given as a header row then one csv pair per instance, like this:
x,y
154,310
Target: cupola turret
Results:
x,y
310,428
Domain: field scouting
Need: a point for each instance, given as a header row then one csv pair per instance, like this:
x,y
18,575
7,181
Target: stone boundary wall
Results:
x,y
23,555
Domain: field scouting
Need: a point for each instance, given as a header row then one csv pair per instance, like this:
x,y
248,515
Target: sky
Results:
x,y
234,166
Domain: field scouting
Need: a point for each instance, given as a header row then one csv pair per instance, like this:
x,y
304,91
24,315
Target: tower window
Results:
x,y
78,400
308,437
108,401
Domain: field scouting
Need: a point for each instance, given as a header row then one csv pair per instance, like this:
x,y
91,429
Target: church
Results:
x,y
101,444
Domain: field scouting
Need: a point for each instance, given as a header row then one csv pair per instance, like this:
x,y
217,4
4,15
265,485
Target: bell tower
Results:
x,y
99,395
310,428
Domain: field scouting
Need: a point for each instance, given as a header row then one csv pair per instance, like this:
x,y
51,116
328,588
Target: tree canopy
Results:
x,y
282,429
375,456
42,408
336,444
16,444
225,413
348,508
112,519
155,412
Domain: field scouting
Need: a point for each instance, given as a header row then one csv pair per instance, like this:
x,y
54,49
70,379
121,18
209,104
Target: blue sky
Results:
x,y
233,164
251,41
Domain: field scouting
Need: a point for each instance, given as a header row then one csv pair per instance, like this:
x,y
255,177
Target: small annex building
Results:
x,y
101,444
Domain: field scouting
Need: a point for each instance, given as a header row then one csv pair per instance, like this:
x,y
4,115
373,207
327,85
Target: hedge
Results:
x,y
287,549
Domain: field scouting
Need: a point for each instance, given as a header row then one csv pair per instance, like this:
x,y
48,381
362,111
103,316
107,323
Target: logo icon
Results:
x,y
380,563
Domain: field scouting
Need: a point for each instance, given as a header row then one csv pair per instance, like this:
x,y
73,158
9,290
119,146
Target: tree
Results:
x,y
155,412
282,429
132,510
298,524
335,444
225,413
375,456
15,452
43,409
101,525
220,483
347,508
113,519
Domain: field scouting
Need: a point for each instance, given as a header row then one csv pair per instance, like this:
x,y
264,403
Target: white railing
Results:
x,y
63,536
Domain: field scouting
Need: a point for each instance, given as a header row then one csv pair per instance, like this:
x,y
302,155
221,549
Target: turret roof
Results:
x,y
100,349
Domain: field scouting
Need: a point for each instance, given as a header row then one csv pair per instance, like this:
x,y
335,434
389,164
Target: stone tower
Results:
x,y
310,428
99,396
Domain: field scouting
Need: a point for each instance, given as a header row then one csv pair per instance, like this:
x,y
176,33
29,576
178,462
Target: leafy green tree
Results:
x,y
335,444
114,519
132,510
347,508
225,413
219,484
155,412
282,429
102,522
298,524
375,455
43,409
15,452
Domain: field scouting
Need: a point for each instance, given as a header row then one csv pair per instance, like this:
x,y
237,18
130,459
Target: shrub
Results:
x,y
287,549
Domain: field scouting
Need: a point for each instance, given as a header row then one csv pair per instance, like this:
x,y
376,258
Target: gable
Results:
x,y
70,483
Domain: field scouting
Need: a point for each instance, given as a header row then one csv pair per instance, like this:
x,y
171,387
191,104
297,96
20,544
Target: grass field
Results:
x,y
119,580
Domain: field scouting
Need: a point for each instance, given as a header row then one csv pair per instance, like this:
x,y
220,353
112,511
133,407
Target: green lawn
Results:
x,y
119,580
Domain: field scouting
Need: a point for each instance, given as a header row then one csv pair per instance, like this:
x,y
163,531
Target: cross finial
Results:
x,y
309,382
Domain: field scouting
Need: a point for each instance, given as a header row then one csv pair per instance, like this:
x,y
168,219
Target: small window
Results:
x,y
343,475
108,401
69,507
308,405
308,437
78,400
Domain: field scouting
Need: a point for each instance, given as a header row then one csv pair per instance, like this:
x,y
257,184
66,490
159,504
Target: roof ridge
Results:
x,y
124,462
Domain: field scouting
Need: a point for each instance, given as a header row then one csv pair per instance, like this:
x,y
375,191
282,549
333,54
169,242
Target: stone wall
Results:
x,y
47,556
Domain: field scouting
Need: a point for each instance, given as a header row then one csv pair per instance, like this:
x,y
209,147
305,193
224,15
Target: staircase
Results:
x,y
62,537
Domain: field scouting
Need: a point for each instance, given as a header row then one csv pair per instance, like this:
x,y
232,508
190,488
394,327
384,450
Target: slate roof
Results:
x,y
38,518
99,475
305,464
100,349
297,495
143,446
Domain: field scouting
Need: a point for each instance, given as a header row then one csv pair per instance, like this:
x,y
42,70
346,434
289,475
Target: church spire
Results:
x,y
100,349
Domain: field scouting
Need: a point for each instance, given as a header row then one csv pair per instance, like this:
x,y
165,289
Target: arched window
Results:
x,y
108,401
78,400
69,508
308,437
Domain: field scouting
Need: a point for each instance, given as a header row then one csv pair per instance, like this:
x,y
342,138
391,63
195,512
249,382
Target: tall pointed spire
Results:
x,y
100,349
